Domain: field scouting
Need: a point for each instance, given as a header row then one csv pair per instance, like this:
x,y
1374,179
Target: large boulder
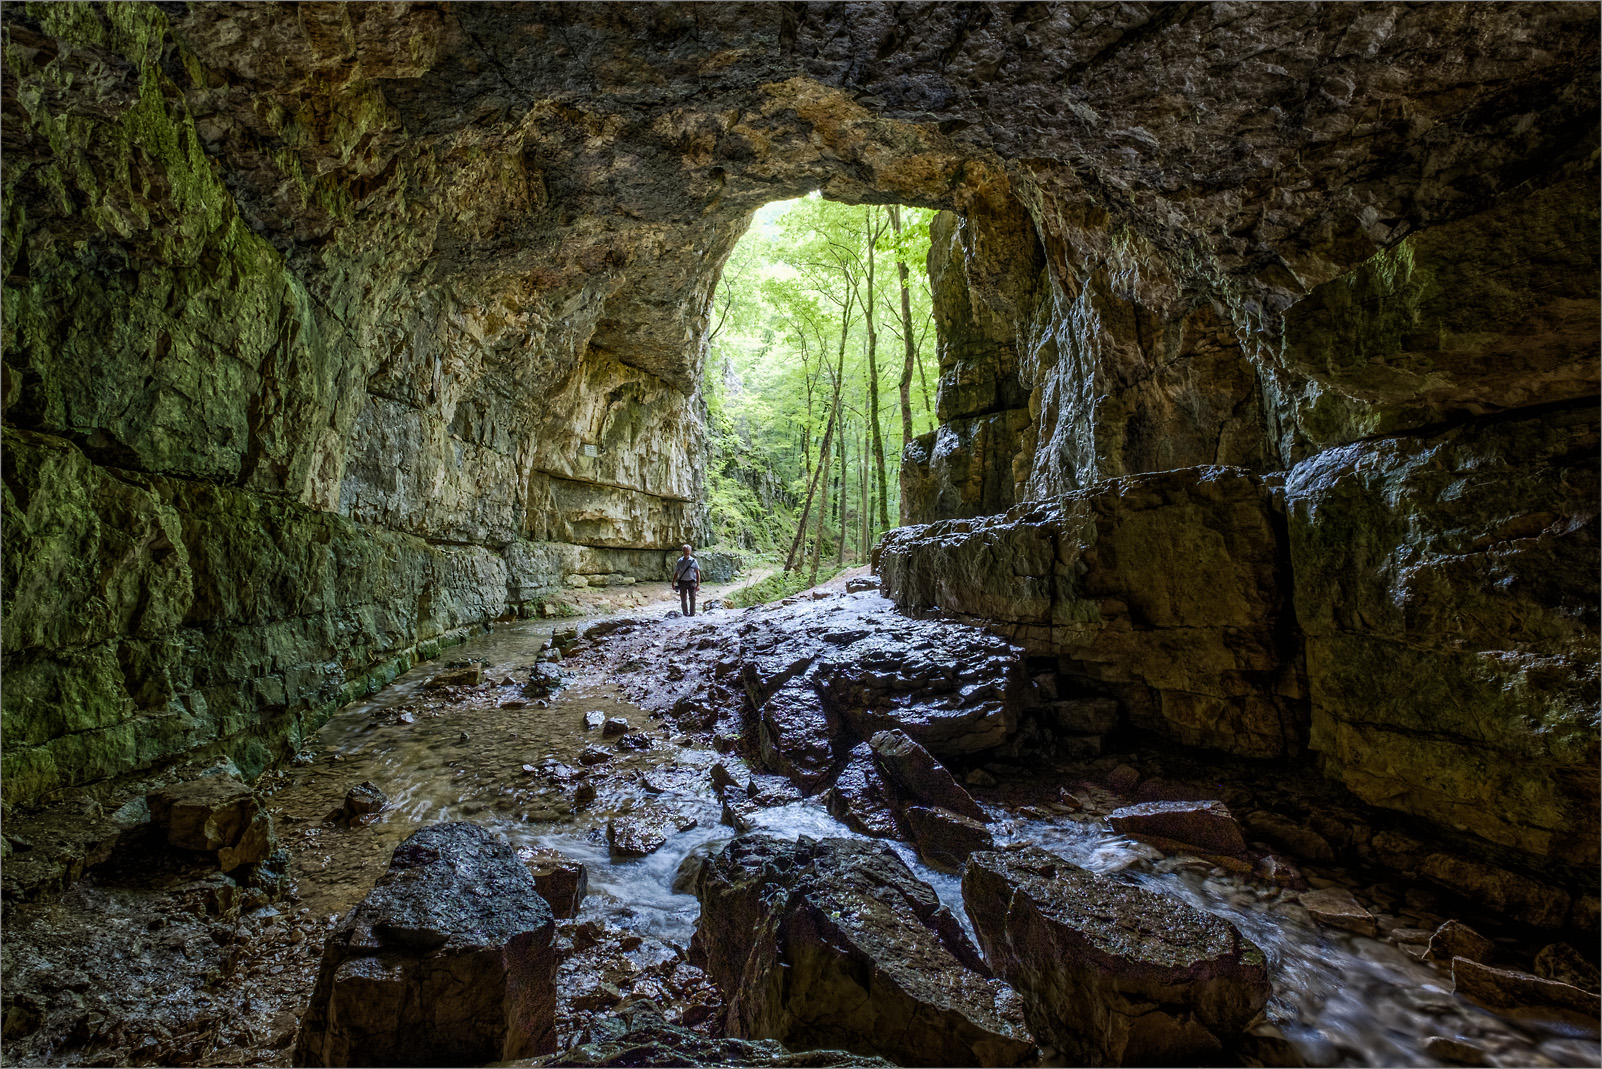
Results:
x,y
215,814
1164,590
835,944
449,960
954,689
1447,589
1109,973
1204,826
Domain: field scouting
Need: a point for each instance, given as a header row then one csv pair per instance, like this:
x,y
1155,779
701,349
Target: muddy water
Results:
x,y
472,755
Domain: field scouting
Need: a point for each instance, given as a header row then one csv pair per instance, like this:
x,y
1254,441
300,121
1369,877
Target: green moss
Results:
x,y
252,757
777,587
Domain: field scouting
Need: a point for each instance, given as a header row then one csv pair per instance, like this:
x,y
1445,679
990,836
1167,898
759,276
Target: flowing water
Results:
x,y
1341,999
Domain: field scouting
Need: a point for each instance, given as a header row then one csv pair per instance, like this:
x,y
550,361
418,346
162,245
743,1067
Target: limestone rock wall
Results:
x,y
1163,591
426,286
148,617
1446,586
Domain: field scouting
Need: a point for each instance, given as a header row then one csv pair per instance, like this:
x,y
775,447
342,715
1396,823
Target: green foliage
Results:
x,y
776,587
793,286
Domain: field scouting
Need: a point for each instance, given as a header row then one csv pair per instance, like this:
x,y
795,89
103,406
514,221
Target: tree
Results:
x,y
792,377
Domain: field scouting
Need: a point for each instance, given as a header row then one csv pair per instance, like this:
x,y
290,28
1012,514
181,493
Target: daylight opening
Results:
x,y
821,367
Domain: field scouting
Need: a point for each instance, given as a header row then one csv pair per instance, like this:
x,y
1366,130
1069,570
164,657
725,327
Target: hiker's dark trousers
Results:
x,y
687,598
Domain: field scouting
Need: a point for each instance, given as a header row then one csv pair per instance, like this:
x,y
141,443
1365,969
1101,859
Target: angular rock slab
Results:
x,y
214,814
1337,907
862,800
1520,994
918,777
796,734
1109,973
560,880
1206,826
835,944
945,839
449,960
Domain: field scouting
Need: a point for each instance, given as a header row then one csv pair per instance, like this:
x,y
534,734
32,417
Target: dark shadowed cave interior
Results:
x,y
1227,696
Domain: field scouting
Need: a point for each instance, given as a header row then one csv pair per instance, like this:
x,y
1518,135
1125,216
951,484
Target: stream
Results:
x,y
486,757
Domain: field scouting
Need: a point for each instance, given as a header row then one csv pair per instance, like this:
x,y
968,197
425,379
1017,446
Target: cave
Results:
x,y
1248,582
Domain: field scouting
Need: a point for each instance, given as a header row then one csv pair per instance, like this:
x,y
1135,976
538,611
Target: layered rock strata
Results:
x,y
1162,591
1447,590
421,286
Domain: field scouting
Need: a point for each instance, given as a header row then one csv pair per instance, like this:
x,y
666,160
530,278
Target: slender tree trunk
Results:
x,y
911,356
806,428
806,509
823,509
875,229
823,453
839,554
866,536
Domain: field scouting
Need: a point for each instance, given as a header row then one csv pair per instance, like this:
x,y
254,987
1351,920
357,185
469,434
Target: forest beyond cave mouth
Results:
x,y
822,341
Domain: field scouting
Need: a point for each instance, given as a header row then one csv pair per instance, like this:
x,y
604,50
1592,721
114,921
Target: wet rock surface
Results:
x,y
1111,974
638,1034
238,974
834,943
1516,992
917,777
953,691
448,960
945,839
846,700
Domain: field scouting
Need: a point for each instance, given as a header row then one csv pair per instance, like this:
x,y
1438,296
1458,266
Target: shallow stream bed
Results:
x,y
492,755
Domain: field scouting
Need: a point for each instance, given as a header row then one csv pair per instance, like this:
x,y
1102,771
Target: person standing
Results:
x,y
687,580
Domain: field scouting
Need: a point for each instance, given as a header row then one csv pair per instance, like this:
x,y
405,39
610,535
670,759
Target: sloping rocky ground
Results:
x,y
830,942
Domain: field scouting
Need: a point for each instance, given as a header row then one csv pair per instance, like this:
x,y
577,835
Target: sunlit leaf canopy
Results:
x,y
808,351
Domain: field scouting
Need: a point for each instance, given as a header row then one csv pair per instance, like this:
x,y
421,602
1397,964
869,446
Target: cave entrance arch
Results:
x,y
821,344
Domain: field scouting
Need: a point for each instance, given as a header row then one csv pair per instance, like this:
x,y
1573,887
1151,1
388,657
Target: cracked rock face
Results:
x,y
333,332
835,944
1110,973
